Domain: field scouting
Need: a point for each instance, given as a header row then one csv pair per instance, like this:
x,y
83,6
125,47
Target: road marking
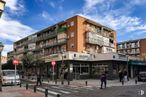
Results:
x,y
41,89
50,92
66,92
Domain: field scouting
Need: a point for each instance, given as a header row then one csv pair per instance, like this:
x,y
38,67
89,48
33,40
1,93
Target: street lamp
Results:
x,y
1,48
2,5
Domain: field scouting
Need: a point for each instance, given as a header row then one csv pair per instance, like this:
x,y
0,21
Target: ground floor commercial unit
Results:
x,y
135,67
73,65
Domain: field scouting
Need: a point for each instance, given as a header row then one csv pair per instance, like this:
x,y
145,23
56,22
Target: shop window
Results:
x,y
72,45
74,55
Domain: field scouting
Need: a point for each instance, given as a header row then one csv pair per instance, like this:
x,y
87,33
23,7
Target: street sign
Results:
x,y
15,61
53,63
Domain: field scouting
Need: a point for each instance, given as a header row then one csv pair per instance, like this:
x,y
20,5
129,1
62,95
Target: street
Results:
x,y
75,89
67,91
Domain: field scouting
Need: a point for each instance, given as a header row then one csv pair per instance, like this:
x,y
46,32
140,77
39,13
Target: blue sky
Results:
x,y
24,17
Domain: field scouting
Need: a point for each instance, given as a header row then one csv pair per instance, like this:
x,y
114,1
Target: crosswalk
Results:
x,y
53,90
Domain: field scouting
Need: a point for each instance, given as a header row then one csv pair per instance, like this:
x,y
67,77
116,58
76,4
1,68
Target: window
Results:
x,y
72,45
72,23
72,34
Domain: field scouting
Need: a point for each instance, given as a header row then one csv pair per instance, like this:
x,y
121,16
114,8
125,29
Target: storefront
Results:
x,y
84,66
135,67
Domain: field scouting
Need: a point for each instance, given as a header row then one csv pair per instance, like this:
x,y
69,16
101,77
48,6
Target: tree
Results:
x,y
28,60
39,63
8,65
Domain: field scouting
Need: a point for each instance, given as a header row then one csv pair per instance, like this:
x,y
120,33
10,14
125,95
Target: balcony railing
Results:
x,y
62,29
94,41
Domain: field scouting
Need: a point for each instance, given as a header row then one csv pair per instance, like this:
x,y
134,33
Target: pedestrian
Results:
x,y
120,75
125,75
103,80
39,81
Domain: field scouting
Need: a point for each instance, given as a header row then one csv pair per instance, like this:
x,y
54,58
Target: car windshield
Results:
x,y
9,73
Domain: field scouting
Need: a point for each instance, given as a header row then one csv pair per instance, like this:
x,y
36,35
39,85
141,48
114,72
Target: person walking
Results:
x,y
103,81
39,81
120,76
125,75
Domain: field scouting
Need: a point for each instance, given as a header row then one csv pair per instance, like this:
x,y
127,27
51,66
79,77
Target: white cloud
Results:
x,y
91,3
12,30
14,5
7,48
47,16
52,4
120,19
138,2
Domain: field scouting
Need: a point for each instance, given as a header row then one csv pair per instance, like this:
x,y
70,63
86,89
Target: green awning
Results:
x,y
135,62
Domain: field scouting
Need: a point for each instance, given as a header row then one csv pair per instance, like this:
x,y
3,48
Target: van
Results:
x,y
8,77
142,76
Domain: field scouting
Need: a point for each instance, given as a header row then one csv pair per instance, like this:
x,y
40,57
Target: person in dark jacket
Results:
x,y
39,81
103,81
120,76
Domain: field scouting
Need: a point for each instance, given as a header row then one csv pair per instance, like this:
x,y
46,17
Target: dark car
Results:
x,y
142,76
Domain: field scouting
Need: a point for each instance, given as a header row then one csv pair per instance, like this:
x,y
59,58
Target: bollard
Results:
x,y
27,86
20,84
0,86
55,81
34,88
135,81
62,82
86,83
68,82
58,95
46,92
122,82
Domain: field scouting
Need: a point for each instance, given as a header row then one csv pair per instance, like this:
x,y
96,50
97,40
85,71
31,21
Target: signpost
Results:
x,y
53,63
15,62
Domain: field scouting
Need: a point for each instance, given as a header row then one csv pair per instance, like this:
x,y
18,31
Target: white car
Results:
x,y
8,77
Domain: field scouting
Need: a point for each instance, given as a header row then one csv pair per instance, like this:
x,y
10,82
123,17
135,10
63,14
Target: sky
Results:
x,y
25,17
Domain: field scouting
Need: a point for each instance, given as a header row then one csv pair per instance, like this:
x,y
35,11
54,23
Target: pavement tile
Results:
x,y
15,91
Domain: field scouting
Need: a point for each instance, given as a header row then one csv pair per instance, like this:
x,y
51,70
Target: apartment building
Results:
x,y
3,59
135,49
74,42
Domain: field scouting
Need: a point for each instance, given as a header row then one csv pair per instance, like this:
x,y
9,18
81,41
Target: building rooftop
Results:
x,y
87,20
130,41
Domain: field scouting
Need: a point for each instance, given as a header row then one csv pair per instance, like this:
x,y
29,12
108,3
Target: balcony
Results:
x,y
93,38
59,42
62,29
94,41
46,36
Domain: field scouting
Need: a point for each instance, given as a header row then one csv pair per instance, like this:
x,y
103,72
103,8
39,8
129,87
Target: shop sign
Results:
x,y
81,57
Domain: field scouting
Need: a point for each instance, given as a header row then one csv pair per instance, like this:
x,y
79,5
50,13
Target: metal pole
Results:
x,y
15,74
46,92
53,73
127,69
0,74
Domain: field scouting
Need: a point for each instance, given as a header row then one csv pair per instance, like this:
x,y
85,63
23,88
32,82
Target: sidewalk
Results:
x,y
96,83
91,82
15,91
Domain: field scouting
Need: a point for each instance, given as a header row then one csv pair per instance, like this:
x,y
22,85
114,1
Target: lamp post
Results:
x,y
2,5
1,48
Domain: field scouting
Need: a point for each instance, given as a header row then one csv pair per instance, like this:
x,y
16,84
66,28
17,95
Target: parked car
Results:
x,y
142,76
8,77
